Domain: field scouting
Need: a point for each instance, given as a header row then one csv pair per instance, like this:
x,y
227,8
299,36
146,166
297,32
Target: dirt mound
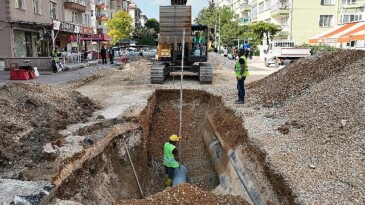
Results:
x,y
322,99
31,115
295,78
186,194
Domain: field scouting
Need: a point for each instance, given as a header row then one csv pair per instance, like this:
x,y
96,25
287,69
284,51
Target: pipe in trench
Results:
x,y
251,190
216,153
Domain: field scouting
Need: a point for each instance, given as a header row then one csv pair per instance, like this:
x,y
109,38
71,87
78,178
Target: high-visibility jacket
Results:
x,y
197,40
169,158
55,55
238,67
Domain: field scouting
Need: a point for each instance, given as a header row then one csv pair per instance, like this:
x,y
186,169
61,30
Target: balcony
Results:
x,y
77,5
100,4
245,20
101,17
245,7
280,9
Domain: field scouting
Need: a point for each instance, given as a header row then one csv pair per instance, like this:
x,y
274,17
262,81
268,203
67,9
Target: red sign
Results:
x,y
86,30
93,37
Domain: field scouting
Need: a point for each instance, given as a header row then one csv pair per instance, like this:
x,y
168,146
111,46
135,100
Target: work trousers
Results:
x,y
241,88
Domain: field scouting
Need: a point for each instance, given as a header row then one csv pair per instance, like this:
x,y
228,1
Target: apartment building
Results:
x,y
299,19
135,13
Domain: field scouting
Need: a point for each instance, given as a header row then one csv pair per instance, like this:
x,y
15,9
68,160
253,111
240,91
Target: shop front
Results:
x,y
92,43
28,41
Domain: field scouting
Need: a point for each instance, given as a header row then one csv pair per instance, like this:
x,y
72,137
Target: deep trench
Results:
x,y
109,178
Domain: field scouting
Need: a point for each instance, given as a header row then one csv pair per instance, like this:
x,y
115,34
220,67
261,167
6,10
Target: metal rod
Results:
x,y
181,93
135,174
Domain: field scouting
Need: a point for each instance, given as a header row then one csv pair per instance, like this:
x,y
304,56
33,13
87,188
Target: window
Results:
x,y
345,18
325,20
261,7
20,4
327,2
348,1
75,17
53,9
37,6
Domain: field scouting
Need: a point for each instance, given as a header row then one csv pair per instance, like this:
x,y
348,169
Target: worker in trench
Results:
x,y
170,159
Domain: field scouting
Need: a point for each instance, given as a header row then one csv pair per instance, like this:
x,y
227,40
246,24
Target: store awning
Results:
x,y
358,36
340,34
94,37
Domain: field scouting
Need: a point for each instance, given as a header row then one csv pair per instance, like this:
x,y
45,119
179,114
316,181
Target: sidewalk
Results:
x,y
75,71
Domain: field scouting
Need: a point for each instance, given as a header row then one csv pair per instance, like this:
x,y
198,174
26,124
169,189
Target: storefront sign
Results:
x,y
67,27
86,30
94,37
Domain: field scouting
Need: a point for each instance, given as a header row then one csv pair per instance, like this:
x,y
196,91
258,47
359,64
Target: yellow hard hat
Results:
x,y
174,138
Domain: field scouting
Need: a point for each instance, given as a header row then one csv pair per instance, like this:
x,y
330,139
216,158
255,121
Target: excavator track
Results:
x,y
157,73
205,73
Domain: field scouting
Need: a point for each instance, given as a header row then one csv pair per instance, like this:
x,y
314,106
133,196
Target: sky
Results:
x,y
150,8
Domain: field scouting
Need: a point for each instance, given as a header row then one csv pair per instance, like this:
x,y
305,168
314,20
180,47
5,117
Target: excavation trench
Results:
x,y
215,150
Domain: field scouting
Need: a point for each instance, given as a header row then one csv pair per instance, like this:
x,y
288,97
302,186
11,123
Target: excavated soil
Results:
x,y
31,115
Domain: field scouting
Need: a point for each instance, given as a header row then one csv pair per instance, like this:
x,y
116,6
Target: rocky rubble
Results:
x,y
186,194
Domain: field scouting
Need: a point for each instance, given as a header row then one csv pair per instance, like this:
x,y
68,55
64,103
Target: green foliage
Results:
x,y
119,26
230,29
153,23
264,29
314,49
144,36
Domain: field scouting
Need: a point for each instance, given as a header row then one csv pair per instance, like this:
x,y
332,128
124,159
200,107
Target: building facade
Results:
x,y
25,27
298,19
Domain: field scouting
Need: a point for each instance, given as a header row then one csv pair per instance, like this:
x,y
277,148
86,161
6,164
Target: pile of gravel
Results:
x,y
294,79
186,194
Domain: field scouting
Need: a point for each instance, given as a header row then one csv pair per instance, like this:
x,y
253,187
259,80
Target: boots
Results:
x,y
168,181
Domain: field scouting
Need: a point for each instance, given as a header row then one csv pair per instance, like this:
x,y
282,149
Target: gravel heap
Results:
x,y
186,194
319,147
30,116
292,81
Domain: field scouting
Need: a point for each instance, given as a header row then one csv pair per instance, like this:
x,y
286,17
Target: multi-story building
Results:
x,y
135,13
299,19
144,20
123,5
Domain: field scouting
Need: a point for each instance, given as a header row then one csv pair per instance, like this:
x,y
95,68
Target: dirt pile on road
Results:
x,y
186,194
296,78
322,101
30,116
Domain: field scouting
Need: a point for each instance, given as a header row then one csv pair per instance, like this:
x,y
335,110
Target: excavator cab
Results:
x,y
199,48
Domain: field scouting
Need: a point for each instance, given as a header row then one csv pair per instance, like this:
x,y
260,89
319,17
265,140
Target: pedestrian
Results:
x,y
111,55
234,54
170,159
241,72
55,59
103,54
225,52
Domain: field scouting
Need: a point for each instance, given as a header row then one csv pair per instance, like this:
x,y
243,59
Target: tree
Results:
x,y
144,36
120,26
229,25
265,29
153,23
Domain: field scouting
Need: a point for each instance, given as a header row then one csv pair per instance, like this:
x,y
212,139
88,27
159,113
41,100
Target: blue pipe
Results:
x,y
180,175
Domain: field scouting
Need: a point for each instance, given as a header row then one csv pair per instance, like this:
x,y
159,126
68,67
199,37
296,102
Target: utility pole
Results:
x,y
219,28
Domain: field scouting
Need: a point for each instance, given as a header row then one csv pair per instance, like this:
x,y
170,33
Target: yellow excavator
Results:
x,y
174,19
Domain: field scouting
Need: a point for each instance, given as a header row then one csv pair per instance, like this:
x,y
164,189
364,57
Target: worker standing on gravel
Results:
x,y
170,159
241,72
